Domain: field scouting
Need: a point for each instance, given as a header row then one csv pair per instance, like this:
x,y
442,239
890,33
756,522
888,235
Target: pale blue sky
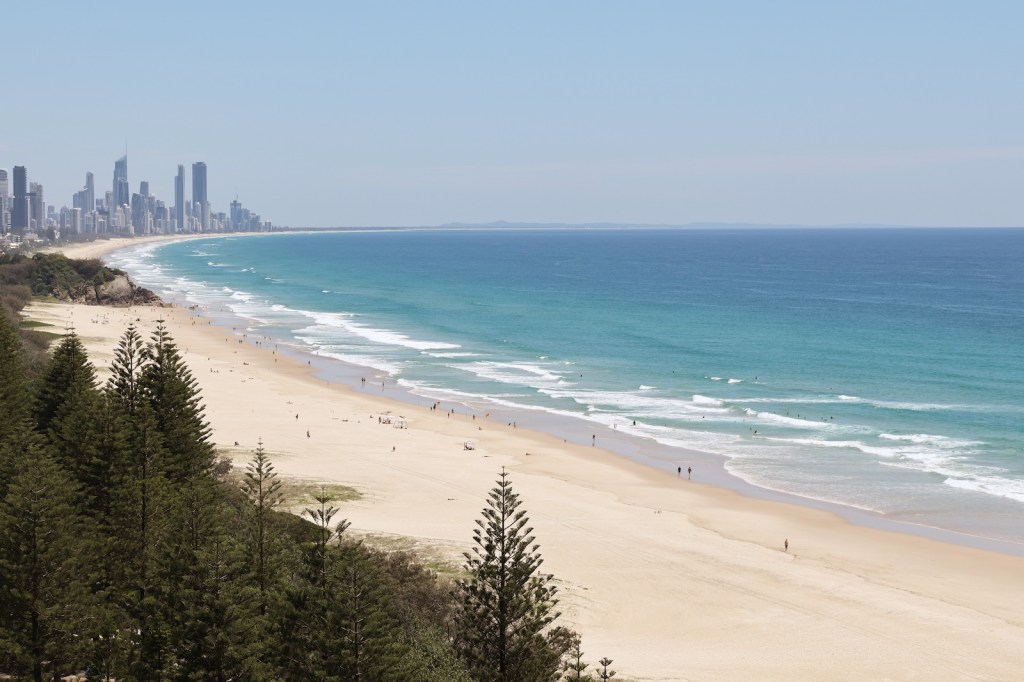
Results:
x,y
415,113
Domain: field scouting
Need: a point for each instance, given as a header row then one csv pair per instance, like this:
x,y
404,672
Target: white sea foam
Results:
x,y
344,322
930,439
1012,489
705,400
430,390
371,361
878,451
643,403
451,355
735,381
520,373
786,420
646,388
910,406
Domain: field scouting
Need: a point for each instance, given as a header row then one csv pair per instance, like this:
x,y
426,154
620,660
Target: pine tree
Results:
x,y
604,673
367,644
318,560
68,374
173,394
140,531
14,400
507,603
44,593
263,490
200,567
90,438
574,668
129,357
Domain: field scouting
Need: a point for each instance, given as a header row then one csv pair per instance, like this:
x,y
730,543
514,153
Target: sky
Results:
x,y
383,113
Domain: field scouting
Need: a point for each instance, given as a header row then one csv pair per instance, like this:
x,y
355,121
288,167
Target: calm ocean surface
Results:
x,y
880,369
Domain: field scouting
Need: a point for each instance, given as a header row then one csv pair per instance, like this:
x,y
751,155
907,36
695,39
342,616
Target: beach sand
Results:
x,y
673,579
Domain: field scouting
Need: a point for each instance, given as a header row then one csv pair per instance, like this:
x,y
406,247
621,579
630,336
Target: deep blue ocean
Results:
x,y
882,369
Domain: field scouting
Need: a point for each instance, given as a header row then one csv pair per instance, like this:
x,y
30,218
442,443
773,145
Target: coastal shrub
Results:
x,y
53,274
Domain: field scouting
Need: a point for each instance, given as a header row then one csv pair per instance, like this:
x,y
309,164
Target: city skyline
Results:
x,y
403,113
119,211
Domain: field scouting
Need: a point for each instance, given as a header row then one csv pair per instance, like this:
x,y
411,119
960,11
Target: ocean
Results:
x,y
877,369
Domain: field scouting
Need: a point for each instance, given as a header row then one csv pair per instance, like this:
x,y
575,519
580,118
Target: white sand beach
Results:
x,y
673,579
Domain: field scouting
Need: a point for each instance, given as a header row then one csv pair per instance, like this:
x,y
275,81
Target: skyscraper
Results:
x,y
19,211
5,201
179,197
90,194
121,194
199,197
37,207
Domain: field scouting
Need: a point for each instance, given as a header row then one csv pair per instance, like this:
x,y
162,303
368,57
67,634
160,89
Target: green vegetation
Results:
x,y
123,555
52,274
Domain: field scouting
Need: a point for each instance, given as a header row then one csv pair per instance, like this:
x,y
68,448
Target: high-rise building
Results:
x,y
38,207
20,209
199,197
90,194
236,214
138,214
5,201
121,194
144,188
179,197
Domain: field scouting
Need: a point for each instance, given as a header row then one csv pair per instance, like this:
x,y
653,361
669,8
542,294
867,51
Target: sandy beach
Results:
x,y
673,579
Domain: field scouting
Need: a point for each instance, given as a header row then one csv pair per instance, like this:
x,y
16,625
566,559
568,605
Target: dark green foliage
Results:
x,y
507,603
14,400
263,491
53,274
361,618
121,553
123,385
201,566
42,588
171,390
141,527
90,439
68,374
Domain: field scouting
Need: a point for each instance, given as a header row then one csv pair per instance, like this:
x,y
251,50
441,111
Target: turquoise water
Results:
x,y
879,369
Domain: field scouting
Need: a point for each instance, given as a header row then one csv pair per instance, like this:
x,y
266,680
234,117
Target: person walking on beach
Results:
x,y
679,471
785,544
689,472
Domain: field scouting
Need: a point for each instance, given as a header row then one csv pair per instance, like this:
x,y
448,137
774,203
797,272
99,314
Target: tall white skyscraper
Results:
x,y
122,195
199,197
90,194
179,198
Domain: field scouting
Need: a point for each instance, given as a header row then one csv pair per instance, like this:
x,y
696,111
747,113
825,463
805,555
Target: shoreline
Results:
x,y
662,574
712,468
